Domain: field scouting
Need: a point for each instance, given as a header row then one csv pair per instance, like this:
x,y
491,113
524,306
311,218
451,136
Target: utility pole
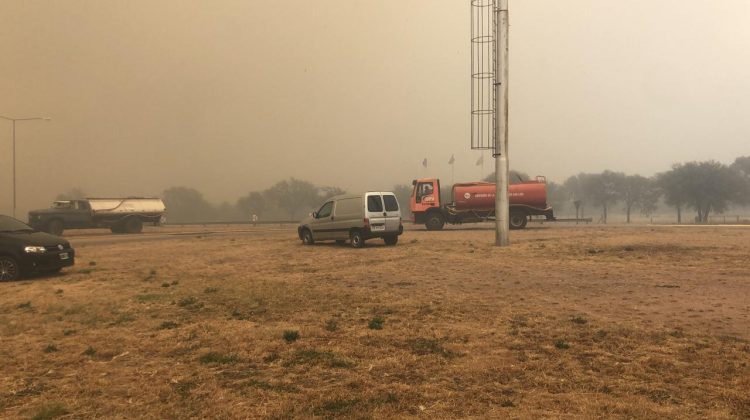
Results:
x,y
13,120
502,205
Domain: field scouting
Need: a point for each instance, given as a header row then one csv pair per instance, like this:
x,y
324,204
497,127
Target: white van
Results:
x,y
354,217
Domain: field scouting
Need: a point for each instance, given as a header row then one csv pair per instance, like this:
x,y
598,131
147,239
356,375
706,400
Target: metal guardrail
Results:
x,y
241,222
586,220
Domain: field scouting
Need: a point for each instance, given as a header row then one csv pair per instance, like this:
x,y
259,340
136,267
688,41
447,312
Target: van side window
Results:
x,y
325,211
374,203
391,204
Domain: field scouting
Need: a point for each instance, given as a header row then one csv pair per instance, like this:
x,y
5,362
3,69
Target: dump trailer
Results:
x,y
474,202
121,215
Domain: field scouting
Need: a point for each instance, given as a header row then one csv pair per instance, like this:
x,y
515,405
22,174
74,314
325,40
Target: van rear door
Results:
x,y
392,212
375,211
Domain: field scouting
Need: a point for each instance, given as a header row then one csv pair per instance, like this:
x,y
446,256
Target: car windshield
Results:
x,y
9,224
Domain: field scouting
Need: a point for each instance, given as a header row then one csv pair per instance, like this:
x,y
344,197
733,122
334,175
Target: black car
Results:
x,y
24,250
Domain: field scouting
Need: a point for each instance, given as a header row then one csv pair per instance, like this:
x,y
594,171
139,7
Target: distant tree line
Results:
x,y
706,187
289,199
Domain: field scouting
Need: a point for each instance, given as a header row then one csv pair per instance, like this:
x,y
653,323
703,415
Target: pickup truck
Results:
x,y
120,215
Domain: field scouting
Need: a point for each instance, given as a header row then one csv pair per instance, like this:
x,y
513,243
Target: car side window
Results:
x,y
391,204
325,211
374,203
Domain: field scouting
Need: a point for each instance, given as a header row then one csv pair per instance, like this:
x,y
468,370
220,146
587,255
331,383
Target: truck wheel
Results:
x,y
134,225
356,238
435,221
55,227
307,237
9,269
391,240
518,220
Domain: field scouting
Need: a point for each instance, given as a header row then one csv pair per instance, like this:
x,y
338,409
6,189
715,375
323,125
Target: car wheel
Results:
x,y
55,227
435,221
518,220
9,269
356,239
391,240
307,237
134,225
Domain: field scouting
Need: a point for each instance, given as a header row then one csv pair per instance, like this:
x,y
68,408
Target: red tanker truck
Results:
x,y
474,202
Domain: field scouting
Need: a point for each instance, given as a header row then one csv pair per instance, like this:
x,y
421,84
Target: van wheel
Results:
x,y
134,225
55,227
391,240
9,269
356,238
307,237
435,221
518,220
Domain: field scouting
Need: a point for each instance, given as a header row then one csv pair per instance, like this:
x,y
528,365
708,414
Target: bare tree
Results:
x,y
639,192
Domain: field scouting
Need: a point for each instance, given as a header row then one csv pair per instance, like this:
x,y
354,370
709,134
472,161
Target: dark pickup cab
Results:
x,y
24,250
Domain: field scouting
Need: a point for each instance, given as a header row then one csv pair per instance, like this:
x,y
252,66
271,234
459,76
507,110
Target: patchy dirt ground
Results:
x,y
645,322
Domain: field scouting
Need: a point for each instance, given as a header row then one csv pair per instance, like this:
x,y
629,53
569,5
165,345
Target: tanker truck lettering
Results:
x,y
474,202
121,215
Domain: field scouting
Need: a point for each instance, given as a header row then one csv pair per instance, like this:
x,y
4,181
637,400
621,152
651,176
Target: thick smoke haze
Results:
x,y
231,96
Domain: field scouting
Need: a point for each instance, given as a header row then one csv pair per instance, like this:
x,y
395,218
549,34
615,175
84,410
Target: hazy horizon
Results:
x,y
235,96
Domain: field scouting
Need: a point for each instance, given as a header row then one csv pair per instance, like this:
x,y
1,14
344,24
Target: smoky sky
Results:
x,y
231,96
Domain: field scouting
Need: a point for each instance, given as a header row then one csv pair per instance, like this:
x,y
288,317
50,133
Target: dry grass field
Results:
x,y
569,322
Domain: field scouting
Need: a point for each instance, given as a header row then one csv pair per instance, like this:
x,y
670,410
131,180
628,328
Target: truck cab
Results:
x,y
77,213
425,201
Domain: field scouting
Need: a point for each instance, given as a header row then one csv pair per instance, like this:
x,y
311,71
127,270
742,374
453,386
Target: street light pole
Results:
x,y
502,203
13,120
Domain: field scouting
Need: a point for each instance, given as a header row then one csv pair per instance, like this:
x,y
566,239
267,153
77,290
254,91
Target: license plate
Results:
x,y
64,256
376,227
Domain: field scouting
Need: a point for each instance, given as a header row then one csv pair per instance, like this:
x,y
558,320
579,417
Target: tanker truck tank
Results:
x,y
481,195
